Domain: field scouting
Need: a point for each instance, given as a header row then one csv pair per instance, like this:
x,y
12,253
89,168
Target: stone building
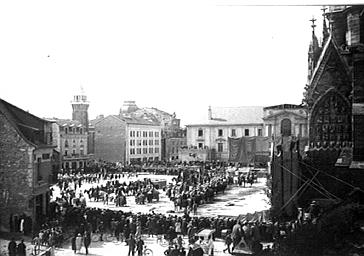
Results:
x,y
72,143
127,139
334,101
212,133
287,119
172,133
27,158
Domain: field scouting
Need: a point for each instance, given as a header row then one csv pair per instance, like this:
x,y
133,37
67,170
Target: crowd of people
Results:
x,y
195,184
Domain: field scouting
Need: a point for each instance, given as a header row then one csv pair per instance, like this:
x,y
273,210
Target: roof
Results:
x,y
29,127
284,106
232,116
67,122
137,120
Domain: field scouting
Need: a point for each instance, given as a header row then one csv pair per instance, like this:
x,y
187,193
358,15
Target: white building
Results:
x,y
213,131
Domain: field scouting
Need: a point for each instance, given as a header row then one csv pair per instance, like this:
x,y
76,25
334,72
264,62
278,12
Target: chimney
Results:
x,y
210,113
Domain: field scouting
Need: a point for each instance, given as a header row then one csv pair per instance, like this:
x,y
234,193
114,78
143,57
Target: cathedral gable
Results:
x,y
331,73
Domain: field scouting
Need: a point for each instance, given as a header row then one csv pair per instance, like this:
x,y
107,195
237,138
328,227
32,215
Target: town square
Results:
x,y
162,128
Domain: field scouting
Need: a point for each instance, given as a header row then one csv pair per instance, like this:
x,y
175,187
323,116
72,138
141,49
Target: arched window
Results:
x,y
286,127
66,143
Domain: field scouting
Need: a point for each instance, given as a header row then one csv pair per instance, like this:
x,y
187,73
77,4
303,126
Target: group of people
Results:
x,y
15,249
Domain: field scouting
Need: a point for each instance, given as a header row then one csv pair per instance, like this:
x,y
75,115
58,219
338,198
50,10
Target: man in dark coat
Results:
x,y
86,240
12,247
132,244
21,249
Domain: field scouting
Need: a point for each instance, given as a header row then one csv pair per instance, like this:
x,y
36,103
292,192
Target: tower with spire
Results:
x,y
313,52
80,108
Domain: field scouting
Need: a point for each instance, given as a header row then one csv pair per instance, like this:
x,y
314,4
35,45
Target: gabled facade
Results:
x,y
26,161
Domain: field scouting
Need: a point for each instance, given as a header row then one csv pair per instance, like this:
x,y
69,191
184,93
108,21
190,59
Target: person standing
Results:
x,y
12,247
132,244
210,246
21,249
86,240
139,246
78,242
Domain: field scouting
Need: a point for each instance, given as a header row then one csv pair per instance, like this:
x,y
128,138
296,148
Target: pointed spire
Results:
x,y
325,30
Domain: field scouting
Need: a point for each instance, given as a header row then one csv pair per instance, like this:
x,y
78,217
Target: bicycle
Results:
x,y
147,251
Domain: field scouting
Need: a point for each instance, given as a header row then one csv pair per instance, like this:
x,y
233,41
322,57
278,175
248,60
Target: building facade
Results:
x,y
170,127
287,119
127,140
221,124
72,143
27,158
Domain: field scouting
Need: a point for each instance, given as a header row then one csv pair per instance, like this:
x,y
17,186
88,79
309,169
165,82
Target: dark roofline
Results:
x,y
25,112
284,106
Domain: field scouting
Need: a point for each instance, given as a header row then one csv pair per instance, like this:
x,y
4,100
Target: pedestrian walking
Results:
x,y
86,240
228,242
12,247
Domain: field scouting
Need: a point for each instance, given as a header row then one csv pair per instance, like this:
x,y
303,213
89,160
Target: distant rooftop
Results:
x,y
284,106
232,116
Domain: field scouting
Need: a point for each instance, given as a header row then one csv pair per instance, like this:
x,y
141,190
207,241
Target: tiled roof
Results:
x,y
232,116
29,126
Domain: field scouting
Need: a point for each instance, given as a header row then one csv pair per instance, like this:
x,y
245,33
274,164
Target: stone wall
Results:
x,y
16,173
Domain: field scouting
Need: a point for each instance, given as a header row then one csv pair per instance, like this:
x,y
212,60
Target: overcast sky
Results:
x,y
178,56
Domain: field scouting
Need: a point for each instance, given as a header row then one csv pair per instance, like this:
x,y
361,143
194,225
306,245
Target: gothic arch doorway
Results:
x,y
286,126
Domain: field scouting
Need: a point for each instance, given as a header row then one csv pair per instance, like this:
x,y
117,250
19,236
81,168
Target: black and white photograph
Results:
x,y
181,128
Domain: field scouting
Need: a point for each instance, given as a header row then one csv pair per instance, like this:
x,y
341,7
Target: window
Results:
x,y
138,134
220,147
139,151
172,151
220,132
156,150
156,142
131,142
45,156
65,130
74,152
150,134
81,152
65,152
66,143
150,150
200,132
260,132
145,142
156,134
145,151
132,151
131,133
139,142
145,134
81,130
233,132
151,142
246,132
200,145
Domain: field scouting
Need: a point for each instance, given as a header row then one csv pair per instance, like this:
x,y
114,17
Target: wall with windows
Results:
x,y
215,138
143,143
